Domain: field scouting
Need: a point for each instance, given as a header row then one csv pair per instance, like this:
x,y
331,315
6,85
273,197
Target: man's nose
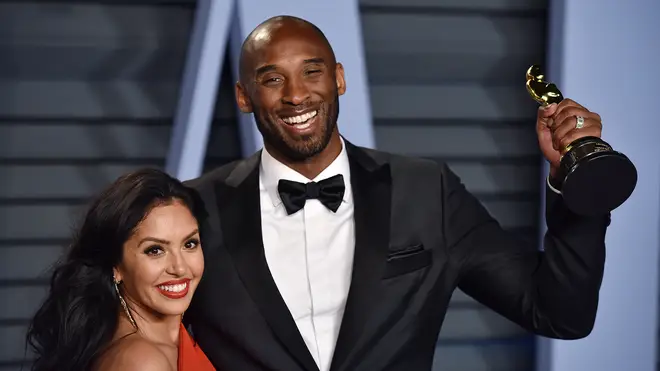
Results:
x,y
296,92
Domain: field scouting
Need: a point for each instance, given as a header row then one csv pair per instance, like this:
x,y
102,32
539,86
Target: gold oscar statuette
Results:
x,y
595,179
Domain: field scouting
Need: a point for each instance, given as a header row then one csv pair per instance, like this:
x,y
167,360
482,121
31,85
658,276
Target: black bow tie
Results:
x,y
329,191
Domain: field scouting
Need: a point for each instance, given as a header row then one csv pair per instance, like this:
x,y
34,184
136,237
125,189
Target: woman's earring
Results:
x,y
123,304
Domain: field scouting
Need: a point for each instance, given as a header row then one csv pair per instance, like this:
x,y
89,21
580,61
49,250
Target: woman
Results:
x,y
117,300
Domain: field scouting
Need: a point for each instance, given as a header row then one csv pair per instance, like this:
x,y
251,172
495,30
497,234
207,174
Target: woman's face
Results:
x,y
163,261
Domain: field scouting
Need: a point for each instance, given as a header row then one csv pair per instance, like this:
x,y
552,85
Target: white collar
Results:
x,y
272,170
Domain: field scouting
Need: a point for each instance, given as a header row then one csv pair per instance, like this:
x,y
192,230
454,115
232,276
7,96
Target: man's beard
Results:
x,y
304,147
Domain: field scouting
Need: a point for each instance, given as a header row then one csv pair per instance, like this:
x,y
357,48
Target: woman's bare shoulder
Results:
x,y
133,353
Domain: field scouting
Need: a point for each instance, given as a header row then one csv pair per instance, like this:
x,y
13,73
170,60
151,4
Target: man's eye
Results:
x,y
272,80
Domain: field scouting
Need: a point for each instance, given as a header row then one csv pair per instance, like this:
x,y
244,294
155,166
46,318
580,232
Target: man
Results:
x,y
325,256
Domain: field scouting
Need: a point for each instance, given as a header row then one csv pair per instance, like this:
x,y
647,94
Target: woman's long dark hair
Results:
x,y
79,317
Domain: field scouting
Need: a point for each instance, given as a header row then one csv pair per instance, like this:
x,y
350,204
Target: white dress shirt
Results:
x,y
309,254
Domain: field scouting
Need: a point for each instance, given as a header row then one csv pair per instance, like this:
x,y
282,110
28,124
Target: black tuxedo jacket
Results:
x,y
419,236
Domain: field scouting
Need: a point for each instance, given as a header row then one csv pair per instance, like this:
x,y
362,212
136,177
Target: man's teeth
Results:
x,y
173,288
300,119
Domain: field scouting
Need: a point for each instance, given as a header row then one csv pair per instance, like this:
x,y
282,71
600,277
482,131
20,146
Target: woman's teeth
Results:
x,y
173,288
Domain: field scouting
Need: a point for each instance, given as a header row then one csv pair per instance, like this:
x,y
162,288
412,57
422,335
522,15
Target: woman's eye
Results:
x,y
192,244
153,250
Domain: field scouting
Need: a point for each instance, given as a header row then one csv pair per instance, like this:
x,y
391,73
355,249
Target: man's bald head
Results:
x,y
266,31
291,82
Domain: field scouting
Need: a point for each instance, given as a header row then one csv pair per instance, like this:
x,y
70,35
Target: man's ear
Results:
x,y
242,99
339,77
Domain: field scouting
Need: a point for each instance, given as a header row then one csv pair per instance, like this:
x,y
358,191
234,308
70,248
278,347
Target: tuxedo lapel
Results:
x,y
240,213
371,184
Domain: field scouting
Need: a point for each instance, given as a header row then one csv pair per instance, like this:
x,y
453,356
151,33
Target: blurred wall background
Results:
x,y
600,52
88,91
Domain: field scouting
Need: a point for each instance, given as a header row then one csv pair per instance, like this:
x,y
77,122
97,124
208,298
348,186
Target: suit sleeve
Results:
x,y
551,292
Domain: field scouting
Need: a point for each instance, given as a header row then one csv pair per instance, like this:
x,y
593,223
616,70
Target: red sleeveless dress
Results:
x,y
191,357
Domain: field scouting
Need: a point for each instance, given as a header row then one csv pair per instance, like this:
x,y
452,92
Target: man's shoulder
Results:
x,y
219,174
405,165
